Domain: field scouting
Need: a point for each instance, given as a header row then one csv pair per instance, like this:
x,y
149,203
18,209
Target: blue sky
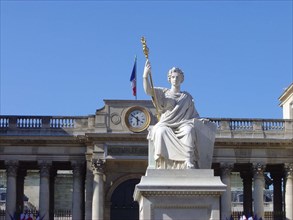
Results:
x,y
66,57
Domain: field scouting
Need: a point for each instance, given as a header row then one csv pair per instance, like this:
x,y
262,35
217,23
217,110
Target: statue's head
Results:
x,y
175,70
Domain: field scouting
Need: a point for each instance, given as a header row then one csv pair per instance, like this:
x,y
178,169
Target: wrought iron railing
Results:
x,y
267,216
58,214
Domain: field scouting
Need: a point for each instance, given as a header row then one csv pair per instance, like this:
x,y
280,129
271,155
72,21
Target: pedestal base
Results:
x,y
179,194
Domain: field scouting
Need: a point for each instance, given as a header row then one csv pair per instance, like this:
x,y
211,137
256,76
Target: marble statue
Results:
x,y
181,139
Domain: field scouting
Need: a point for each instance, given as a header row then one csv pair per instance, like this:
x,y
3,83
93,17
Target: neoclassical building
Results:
x,y
107,154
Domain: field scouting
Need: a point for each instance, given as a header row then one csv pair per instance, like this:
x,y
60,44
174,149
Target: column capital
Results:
x,y
226,169
45,168
11,167
289,170
258,169
98,166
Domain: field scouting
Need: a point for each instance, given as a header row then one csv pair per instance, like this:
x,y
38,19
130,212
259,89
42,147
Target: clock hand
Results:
x,y
136,117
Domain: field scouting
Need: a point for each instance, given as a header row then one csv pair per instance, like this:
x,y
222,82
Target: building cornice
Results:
x,y
286,94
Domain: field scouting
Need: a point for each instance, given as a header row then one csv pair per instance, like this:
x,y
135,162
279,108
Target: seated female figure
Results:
x,y
174,136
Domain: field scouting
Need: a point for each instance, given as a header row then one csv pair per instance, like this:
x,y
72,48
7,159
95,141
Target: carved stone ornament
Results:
x,y
258,169
115,118
226,169
45,169
98,165
11,168
289,170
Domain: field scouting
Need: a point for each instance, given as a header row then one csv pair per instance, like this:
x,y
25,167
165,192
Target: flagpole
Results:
x,y
133,79
135,76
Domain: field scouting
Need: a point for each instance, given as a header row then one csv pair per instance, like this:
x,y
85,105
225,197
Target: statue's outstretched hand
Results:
x,y
147,69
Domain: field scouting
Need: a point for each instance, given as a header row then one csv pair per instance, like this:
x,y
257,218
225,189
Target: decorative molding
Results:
x,y
11,168
253,143
289,170
180,193
115,118
45,168
226,169
258,170
98,166
37,140
187,206
113,137
126,151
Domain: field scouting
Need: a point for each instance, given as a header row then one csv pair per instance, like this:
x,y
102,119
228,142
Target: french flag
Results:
x,y
133,79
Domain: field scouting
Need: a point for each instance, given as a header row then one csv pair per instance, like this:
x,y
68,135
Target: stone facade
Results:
x,y
102,153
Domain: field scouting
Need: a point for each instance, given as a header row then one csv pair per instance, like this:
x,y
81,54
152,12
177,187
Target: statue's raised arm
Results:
x,y
146,84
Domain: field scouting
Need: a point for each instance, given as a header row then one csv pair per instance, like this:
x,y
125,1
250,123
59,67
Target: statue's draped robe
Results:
x,y
180,135
175,136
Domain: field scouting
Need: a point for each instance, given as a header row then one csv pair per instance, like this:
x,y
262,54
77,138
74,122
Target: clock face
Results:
x,y
137,118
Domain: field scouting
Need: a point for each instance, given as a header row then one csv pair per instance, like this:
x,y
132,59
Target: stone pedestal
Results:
x,y
179,194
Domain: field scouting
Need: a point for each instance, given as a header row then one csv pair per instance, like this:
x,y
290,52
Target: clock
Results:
x,y
137,118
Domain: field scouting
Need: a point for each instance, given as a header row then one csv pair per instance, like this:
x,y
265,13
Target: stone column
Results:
x,y
289,191
226,196
20,187
98,190
78,191
278,201
247,191
89,188
11,170
259,184
53,175
44,197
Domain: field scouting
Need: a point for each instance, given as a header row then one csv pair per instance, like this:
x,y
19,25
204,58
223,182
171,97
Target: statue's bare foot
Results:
x,y
189,165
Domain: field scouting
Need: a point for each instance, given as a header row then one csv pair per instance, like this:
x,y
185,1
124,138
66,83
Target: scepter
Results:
x,y
146,54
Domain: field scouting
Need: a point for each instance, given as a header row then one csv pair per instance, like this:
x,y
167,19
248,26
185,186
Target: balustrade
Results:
x,y
29,122
62,122
251,124
241,124
4,122
273,125
217,122
38,122
68,122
